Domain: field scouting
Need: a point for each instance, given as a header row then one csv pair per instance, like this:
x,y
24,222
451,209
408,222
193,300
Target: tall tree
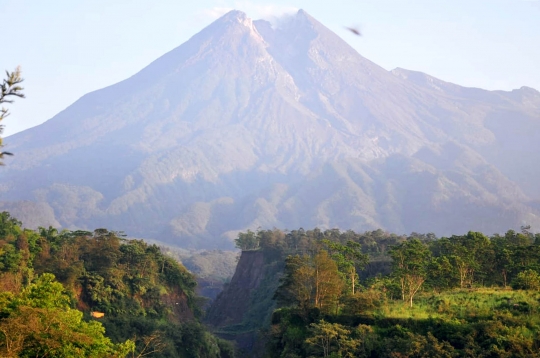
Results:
x,y
310,282
9,88
410,261
504,247
349,258
472,255
327,281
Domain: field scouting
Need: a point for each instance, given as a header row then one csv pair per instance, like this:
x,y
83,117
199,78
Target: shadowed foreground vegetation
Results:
x,y
457,323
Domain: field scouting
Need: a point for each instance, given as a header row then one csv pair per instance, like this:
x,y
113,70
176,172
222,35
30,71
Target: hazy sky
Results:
x,y
69,48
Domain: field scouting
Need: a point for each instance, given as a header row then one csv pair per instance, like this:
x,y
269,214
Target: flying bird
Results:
x,y
354,30
6,153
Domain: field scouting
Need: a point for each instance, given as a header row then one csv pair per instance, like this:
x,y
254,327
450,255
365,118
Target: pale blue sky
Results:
x,y
69,48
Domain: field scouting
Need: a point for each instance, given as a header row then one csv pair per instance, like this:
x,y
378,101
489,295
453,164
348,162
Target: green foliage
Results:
x,y
349,258
247,241
471,256
410,261
9,226
479,323
160,339
457,311
327,339
327,309
311,282
147,298
39,322
527,280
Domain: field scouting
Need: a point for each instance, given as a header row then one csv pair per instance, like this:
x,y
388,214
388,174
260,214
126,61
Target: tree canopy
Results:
x,y
95,294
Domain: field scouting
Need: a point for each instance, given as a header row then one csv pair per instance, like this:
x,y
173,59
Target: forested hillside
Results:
x,y
95,294
375,294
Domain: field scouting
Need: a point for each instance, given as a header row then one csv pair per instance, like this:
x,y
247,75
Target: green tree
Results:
x,y
504,263
9,88
525,257
409,344
9,226
310,282
296,287
327,281
38,322
247,241
410,262
328,338
441,273
272,243
472,256
527,280
349,258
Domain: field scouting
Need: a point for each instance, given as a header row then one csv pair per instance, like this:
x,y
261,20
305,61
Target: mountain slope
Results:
x,y
247,125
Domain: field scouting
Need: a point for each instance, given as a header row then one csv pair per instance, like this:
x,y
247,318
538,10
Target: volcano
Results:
x,y
250,125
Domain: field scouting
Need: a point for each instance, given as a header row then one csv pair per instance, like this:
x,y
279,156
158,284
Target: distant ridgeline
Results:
x,y
84,294
374,294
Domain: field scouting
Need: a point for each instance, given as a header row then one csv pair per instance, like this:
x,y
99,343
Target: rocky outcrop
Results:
x,y
246,305
231,305
178,302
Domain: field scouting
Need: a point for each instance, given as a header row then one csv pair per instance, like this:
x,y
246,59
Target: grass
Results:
x,y
467,305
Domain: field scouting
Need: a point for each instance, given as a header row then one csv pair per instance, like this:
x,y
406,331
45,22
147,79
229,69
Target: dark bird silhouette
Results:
x,y
6,153
354,30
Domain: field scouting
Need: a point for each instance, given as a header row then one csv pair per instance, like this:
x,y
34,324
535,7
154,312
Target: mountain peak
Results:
x,y
235,16
232,19
302,14
222,25
295,21
529,90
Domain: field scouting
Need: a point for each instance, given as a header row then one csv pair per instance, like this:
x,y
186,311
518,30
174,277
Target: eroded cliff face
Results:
x,y
246,305
177,300
231,305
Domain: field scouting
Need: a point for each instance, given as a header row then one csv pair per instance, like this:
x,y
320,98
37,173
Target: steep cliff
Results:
x,y
246,304
230,305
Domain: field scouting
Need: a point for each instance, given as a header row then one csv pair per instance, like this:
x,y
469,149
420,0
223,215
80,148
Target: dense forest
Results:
x,y
375,294
96,294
